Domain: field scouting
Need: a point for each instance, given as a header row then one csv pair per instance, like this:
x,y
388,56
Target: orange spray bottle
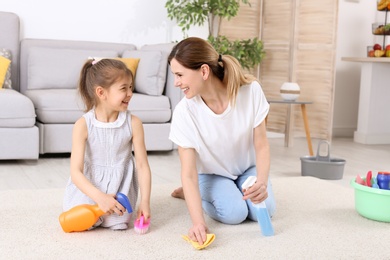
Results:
x,y
83,217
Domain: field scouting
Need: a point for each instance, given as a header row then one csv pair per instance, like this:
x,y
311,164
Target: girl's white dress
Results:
x,y
108,164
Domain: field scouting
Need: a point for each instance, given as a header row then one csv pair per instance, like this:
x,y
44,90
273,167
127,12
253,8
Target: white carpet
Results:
x,y
315,219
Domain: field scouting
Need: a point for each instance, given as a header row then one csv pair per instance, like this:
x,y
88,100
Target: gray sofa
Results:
x,y
19,137
49,72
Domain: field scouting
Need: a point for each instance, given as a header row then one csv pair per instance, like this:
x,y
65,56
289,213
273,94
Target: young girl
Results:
x,y
220,132
101,161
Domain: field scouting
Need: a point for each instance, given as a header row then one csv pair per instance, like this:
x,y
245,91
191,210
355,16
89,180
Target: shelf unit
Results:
x,y
384,34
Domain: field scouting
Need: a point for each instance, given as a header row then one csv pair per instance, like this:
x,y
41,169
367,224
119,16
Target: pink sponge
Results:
x,y
141,226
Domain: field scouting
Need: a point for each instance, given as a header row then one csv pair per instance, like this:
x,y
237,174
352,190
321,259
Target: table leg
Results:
x,y
288,142
306,123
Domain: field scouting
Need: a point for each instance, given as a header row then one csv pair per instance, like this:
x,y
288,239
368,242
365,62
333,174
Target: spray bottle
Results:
x,y
83,217
261,211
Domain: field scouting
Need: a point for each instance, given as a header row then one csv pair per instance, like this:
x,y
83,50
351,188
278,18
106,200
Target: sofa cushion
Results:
x,y
61,106
5,81
152,71
165,47
58,106
4,65
131,64
51,68
16,110
151,109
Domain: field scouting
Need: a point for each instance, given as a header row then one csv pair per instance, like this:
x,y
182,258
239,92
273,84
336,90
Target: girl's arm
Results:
x,y
142,166
258,192
106,203
189,178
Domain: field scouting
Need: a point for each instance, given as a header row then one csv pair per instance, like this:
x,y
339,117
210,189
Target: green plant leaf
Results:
x,y
249,52
196,12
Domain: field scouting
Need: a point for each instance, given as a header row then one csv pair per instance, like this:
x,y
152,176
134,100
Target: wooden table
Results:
x,y
289,122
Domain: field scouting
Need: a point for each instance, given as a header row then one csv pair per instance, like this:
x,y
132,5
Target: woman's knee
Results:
x,y
237,215
230,213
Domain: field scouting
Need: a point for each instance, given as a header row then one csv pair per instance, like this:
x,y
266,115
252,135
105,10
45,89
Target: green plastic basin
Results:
x,y
372,203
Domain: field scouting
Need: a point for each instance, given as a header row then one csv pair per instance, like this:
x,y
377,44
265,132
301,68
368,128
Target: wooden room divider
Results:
x,y
299,38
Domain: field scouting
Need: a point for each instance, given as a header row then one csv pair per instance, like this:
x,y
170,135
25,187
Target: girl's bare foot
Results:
x,y
178,193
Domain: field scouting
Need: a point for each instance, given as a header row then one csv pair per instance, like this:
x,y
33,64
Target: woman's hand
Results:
x,y
198,233
256,193
189,179
107,203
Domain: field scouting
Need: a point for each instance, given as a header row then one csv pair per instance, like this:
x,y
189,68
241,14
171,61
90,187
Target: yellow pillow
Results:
x,y
131,63
4,64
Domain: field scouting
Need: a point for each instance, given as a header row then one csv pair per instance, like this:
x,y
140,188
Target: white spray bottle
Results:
x,y
261,210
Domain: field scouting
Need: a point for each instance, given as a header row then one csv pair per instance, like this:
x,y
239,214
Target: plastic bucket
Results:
x,y
323,167
372,203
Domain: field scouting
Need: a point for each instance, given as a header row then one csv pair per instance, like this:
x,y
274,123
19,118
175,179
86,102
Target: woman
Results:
x,y
221,136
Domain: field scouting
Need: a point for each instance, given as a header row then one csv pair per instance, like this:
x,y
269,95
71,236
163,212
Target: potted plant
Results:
x,y
249,52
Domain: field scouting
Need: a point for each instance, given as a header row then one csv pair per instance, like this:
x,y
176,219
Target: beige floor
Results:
x,y
53,171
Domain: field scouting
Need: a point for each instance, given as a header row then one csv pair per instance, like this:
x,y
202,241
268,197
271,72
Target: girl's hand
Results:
x,y
198,233
144,210
256,193
107,203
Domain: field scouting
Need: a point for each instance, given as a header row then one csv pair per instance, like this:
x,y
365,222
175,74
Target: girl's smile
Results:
x,y
120,94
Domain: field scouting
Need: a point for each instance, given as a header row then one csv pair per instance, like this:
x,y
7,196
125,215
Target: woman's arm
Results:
x,y
106,203
189,178
258,192
143,168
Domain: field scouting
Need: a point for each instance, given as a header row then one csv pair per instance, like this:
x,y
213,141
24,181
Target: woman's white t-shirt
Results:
x,y
223,142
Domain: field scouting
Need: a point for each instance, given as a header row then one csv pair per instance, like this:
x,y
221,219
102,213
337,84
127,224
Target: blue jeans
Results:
x,y
222,198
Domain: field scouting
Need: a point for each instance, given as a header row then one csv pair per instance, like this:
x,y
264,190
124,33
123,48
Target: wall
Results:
x,y
354,34
130,21
145,22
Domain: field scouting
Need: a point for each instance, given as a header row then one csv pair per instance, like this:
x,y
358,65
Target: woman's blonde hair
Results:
x,y
193,52
102,73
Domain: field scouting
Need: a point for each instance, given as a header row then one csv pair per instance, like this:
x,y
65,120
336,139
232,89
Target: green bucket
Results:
x,y
372,203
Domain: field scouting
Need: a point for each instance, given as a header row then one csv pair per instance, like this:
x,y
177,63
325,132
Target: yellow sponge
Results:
x,y
209,239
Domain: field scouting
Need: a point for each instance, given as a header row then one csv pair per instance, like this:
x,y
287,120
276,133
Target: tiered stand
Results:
x,y
384,24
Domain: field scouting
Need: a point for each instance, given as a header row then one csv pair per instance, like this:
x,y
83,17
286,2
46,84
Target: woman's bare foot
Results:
x,y
178,193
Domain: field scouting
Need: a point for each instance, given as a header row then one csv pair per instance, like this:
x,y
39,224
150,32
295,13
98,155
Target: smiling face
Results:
x,y
120,93
191,82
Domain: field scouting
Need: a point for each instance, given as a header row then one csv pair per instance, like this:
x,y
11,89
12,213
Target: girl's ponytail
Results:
x,y
84,90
